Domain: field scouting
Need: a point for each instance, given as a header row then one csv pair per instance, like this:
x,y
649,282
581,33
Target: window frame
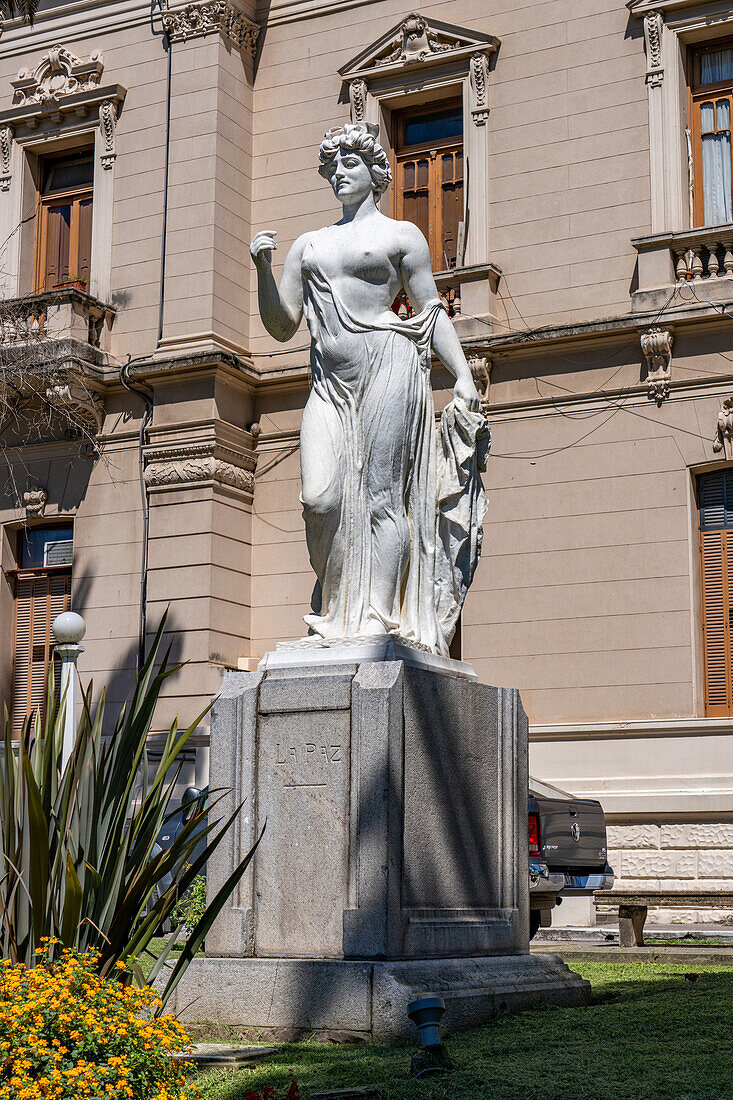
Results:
x,y
76,196
697,94
401,153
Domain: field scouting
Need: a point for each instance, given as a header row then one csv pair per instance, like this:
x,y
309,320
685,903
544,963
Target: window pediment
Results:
x,y
417,42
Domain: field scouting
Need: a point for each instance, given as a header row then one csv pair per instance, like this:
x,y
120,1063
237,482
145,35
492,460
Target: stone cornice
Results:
x,y
208,17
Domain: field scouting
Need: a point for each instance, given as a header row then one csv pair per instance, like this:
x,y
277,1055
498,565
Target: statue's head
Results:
x,y
352,160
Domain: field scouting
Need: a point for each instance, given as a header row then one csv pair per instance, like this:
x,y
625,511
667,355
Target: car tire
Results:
x,y
535,916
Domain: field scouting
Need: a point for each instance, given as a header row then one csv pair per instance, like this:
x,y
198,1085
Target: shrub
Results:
x,y
192,906
68,1034
78,859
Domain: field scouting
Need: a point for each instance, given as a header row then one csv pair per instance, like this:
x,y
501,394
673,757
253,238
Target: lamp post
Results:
x,y
68,630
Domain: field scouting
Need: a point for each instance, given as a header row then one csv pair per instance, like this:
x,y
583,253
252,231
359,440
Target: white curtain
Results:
x,y
716,162
716,65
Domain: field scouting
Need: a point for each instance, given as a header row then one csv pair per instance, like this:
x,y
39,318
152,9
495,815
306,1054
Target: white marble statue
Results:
x,y
393,509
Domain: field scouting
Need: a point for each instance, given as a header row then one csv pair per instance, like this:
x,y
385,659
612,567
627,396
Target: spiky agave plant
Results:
x,y
78,860
25,9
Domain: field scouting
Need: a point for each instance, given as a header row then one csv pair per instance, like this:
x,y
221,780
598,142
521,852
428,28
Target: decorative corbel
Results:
x,y
6,152
80,403
656,345
653,39
724,429
108,130
357,95
480,367
34,501
479,88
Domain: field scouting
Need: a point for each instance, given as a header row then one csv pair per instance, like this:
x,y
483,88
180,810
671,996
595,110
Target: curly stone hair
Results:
x,y
361,138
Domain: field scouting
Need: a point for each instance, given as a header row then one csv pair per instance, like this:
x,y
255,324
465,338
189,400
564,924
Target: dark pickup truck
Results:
x,y
567,850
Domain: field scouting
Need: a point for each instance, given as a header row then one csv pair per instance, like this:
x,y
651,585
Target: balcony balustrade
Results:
x,y
702,255
56,316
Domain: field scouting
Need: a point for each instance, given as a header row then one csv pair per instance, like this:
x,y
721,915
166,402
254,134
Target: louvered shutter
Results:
x,y
716,622
715,494
39,599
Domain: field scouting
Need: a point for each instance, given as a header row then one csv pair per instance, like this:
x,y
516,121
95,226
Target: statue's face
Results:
x,y
350,177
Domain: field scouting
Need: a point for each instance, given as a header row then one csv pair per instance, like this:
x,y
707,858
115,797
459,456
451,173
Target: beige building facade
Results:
x,y
568,165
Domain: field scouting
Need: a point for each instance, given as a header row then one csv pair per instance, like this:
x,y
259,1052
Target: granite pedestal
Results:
x,y
394,861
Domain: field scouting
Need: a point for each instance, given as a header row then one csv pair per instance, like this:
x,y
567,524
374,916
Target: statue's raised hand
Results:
x,y
261,249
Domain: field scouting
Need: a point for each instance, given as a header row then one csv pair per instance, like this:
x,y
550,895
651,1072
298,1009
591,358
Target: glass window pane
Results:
x,y
723,111
716,178
77,172
34,548
707,117
434,126
716,65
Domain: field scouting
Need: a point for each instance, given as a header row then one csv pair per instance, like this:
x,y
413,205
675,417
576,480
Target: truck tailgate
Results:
x,y
573,834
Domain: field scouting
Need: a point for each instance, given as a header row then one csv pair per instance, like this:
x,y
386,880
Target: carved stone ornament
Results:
x,y
59,74
357,95
724,429
78,401
6,150
657,347
414,41
34,501
653,35
198,462
209,16
108,130
481,370
479,88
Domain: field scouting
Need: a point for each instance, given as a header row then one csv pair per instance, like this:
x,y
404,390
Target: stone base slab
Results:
x,y
368,999
312,652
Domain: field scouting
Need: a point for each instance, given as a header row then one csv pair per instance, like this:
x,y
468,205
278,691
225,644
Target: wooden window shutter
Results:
x,y
39,598
84,258
715,493
716,613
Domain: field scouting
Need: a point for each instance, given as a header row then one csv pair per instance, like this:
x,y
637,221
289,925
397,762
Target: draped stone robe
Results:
x,y
371,408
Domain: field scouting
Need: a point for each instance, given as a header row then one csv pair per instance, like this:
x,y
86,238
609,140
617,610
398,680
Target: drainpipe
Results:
x,y
146,396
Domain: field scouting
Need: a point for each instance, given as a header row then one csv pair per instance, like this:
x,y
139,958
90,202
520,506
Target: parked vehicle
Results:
x,y
567,850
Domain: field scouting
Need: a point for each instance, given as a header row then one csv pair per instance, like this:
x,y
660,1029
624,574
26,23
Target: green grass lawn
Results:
x,y
649,1034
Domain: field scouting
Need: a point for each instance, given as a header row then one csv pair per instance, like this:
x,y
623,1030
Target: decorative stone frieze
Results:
x,y
6,150
58,74
34,501
653,38
199,462
209,16
656,345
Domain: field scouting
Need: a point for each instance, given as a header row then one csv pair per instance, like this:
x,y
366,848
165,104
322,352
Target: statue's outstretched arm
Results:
x,y
417,277
281,309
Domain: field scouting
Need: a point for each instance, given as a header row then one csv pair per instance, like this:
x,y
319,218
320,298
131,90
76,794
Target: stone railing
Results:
x,y
703,254
66,314
695,256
